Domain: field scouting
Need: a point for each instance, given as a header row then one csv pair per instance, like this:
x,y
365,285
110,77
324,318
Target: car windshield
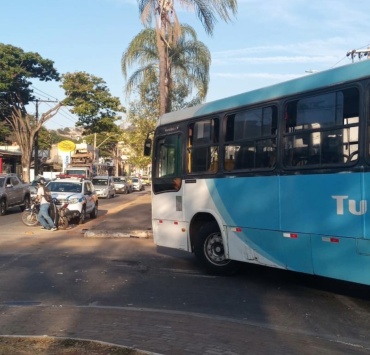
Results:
x,y
135,180
58,186
100,182
117,179
2,181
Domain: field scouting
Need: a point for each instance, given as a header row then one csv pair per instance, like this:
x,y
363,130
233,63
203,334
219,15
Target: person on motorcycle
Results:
x,y
43,216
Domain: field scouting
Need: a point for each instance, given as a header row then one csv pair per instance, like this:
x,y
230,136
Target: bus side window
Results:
x,y
201,159
251,138
245,158
322,129
203,146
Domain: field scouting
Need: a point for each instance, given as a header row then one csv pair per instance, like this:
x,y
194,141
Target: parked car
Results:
x,y
13,193
137,184
104,186
146,180
78,193
121,185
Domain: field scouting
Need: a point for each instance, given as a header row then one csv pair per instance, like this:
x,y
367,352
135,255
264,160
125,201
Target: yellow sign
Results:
x,y
66,146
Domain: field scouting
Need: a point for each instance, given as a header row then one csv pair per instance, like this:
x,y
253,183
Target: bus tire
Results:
x,y
209,250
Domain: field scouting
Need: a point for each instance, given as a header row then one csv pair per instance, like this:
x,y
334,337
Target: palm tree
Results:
x,y
187,66
168,30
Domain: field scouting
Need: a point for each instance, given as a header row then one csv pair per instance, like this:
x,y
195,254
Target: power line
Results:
x,y
43,92
65,115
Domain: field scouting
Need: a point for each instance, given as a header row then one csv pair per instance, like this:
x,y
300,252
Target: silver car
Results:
x,y
121,185
104,186
137,184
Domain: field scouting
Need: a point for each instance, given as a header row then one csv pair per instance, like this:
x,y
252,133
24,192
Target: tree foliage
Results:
x,y
106,141
142,117
91,101
168,31
188,66
5,132
17,68
46,138
87,94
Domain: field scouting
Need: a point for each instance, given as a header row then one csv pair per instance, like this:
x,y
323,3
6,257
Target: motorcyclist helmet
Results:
x,y
41,181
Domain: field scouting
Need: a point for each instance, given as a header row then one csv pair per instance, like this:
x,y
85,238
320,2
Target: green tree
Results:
x,y
86,93
188,66
168,30
142,117
5,132
47,138
17,68
106,141
91,101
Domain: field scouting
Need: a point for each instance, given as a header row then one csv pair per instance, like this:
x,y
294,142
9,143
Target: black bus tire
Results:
x,y
209,250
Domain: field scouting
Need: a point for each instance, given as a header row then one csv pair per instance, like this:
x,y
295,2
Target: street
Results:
x,y
128,291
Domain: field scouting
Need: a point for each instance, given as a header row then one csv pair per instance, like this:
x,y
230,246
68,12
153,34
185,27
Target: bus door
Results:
x,y
169,227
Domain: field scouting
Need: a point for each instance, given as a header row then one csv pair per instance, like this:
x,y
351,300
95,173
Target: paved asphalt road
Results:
x,y
127,291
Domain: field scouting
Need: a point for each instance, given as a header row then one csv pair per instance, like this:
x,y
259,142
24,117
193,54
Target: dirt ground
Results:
x,y
54,346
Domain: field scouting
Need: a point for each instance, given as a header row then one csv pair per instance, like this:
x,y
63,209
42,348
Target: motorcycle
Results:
x,y
57,214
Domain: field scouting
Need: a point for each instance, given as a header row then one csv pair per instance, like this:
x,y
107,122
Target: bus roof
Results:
x,y
308,82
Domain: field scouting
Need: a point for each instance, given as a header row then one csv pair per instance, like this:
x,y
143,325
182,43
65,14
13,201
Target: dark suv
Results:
x,y
13,193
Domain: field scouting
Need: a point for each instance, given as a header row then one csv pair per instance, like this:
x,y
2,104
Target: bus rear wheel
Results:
x,y
210,252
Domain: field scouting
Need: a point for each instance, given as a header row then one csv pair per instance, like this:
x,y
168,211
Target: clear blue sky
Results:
x,y
268,42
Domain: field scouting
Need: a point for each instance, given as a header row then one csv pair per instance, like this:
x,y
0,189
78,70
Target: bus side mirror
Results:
x,y
147,147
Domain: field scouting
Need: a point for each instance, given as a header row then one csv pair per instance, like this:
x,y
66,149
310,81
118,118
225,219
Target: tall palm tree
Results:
x,y
168,29
187,65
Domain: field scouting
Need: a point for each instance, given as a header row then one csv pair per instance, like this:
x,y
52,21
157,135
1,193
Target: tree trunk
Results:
x,y
26,163
162,76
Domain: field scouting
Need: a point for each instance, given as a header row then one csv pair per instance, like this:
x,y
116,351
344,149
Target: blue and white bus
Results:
x,y
278,176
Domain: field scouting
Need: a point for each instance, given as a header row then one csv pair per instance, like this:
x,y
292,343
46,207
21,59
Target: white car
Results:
x,y
78,193
137,184
104,186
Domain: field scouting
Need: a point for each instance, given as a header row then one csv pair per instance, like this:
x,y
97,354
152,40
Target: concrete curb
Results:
x,y
98,233
60,339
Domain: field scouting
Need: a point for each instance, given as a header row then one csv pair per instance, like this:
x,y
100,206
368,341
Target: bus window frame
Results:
x,y
213,146
170,183
284,134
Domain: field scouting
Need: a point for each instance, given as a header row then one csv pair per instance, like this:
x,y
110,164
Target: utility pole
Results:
x,y
36,143
360,53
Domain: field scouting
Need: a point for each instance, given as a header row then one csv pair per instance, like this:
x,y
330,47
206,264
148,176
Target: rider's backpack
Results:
x,y
47,194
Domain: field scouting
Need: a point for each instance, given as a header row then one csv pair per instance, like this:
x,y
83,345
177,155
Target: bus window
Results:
x,y
322,129
251,139
167,164
203,149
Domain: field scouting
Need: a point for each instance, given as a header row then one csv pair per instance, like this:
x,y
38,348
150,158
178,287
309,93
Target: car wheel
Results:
x,y
26,203
2,207
82,216
94,213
